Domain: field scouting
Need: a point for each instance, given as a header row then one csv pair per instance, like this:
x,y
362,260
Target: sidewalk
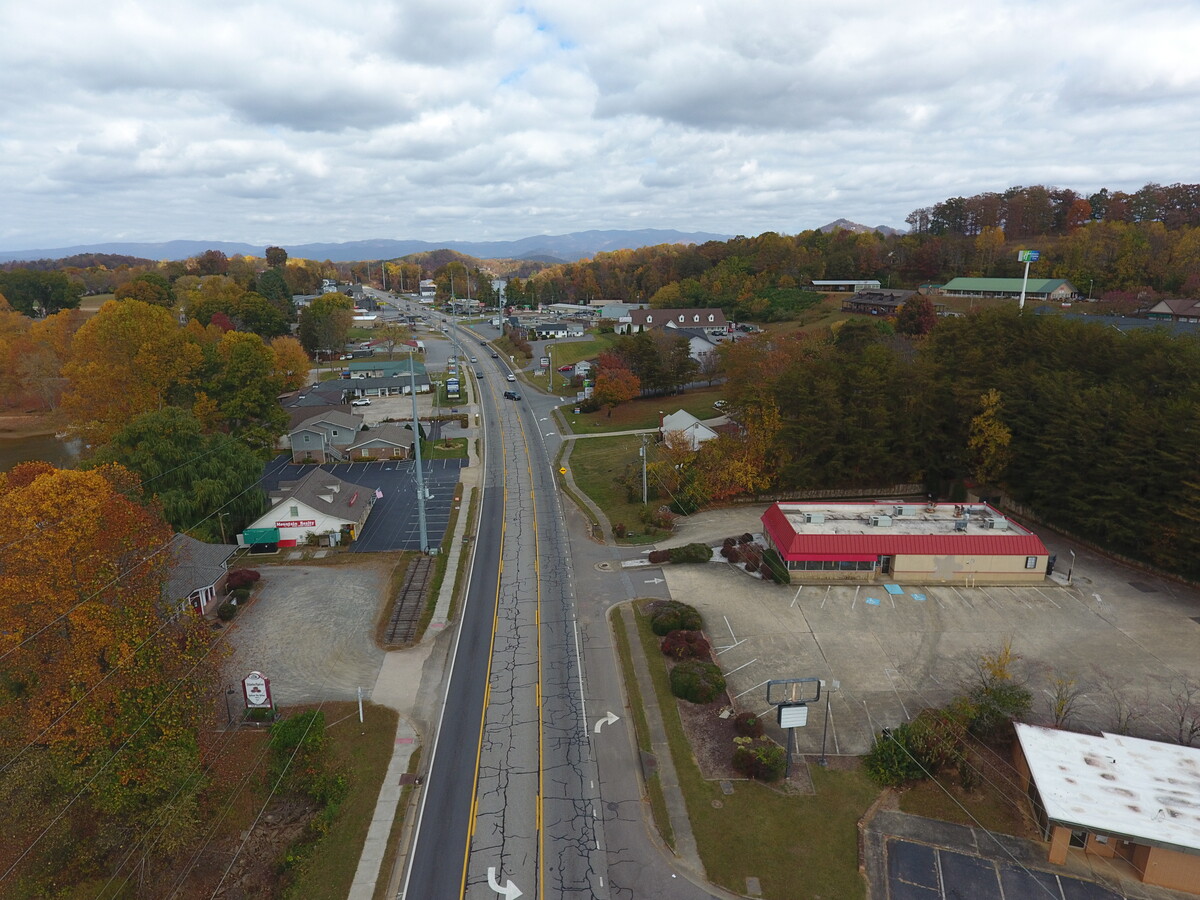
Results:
x,y
396,688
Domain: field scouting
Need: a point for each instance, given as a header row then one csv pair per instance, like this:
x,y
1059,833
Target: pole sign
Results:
x,y
792,715
256,688
545,361
1027,256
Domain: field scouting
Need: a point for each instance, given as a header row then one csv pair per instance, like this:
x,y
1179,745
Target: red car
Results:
x,y
566,368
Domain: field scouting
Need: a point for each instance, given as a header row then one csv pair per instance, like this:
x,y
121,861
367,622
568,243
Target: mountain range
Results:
x,y
545,247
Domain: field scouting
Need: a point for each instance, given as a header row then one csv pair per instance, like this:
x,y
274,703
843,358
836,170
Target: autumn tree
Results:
x,y
149,287
103,686
917,316
127,359
615,386
36,293
246,390
325,323
989,439
291,365
276,257
392,334
211,262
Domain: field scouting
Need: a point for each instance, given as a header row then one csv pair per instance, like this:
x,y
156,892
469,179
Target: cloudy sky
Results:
x,y
286,121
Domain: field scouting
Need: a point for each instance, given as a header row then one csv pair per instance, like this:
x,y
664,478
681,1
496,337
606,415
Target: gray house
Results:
x,y
326,437
196,572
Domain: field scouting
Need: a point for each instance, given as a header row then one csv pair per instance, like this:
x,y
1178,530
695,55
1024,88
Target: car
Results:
x,y
495,356
566,368
512,377
479,373
483,343
360,402
511,395
720,404
473,359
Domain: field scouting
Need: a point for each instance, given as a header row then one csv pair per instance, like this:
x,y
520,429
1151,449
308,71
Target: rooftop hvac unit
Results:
x,y
899,511
989,522
881,520
960,524
814,518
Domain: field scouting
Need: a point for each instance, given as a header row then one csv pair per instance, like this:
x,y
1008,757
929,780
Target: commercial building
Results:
x,y
1131,801
918,543
1045,289
320,504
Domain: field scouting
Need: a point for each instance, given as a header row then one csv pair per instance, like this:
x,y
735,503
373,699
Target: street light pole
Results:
x,y
412,380
1071,567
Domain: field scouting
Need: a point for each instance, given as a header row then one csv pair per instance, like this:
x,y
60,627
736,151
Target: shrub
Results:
x,y
891,762
672,615
760,759
746,538
259,714
696,681
680,644
774,563
729,542
241,578
747,724
226,611
659,556
619,529
241,595
691,553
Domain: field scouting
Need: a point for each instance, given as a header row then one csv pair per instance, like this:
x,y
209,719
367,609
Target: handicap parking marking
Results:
x,y
920,598
872,601
893,589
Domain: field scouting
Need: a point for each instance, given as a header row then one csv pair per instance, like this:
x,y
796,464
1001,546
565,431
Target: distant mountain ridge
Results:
x,y
847,225
565,247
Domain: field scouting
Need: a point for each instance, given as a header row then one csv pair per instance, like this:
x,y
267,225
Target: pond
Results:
x,y
62,454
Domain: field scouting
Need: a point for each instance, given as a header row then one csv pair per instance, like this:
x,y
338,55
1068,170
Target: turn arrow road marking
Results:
x,y
510,891
611,718
655,580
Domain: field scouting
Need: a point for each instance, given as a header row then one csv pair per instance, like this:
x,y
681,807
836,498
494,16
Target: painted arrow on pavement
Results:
x,y
611,718
655,580
510,891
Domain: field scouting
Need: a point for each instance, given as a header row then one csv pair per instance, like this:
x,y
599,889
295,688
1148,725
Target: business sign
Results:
x,y
297,523
793,715
545,361
256,688
1028,255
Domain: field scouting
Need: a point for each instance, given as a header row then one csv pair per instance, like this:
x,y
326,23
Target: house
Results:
x,y
387,441
324,437
1045,289
876,302
319,503
701,345
1117,798
377,367
915,542
683,424
1175,310
583,369
196,572
711,321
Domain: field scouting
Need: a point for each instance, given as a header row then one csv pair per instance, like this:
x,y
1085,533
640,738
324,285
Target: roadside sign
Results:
x,y
257,690
793,715
562,471
1028,255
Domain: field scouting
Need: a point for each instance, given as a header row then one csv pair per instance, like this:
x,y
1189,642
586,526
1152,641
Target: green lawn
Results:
x,y
645,411
596,463
362,753
799,847
445,448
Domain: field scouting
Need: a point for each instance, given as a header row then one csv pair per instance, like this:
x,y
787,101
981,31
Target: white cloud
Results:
x,y
293,120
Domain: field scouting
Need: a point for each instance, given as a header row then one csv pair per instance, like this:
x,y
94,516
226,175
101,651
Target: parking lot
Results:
x,y
393,523
1122,634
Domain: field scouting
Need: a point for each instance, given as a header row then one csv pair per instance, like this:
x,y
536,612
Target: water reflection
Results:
x,y
61,454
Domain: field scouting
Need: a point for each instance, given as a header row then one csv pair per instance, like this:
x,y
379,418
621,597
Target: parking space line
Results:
x,y
748,690
742,666
828,588
970,605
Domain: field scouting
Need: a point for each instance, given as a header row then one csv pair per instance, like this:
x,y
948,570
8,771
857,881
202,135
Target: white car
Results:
x,y
512,377
361,402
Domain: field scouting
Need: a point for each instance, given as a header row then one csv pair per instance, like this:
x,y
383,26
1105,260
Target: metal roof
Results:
x,y
1035,286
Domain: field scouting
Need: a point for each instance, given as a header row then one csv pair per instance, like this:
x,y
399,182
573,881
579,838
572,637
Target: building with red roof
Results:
x,y
919,543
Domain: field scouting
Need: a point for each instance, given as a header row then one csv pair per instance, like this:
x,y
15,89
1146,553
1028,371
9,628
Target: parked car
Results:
x,y
566,368
362,401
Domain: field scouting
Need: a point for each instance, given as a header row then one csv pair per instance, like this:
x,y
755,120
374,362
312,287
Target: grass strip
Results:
x,y
800,847
633,689
383,883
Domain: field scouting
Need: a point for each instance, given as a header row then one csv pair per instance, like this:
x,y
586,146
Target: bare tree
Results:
x,y
1125,708
1065,694
1185,709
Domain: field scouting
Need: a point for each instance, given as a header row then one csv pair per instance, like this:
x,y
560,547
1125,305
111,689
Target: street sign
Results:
x,y
793,715
1028,255
562,471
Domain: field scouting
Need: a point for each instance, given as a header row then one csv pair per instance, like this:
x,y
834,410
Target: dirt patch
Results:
x,y
29,425
710,736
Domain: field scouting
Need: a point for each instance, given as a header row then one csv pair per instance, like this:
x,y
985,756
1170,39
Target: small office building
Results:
x,y
1127,800
918,543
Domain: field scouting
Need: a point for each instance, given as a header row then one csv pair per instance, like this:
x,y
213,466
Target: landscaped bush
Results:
x,y
659,556
681,644
691,553
226,611
697,681
762,759
773,563
671,615
241,578
892,761
241,595
619,529
747,724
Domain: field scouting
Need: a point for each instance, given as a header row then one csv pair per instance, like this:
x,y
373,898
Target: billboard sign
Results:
x,y
1028,255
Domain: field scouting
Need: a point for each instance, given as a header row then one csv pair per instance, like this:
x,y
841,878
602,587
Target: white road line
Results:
x,y
742,666
828,588
797,597
748,690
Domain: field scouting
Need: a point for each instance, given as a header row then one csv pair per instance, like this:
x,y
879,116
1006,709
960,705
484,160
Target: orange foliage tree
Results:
x,y
103,681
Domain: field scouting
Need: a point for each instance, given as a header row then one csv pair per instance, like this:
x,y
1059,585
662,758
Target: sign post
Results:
x,y
256,689
790,698
1027,257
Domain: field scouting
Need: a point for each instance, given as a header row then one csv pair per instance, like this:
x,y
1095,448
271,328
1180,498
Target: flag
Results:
x,y
378,494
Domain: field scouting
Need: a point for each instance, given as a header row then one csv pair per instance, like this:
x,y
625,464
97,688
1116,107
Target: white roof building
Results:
x,y
1133,799
684,423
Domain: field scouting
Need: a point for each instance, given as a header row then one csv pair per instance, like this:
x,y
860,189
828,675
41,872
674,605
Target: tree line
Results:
x,y
1096,430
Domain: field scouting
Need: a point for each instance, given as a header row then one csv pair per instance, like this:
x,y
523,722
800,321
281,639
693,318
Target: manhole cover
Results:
x,y
1143,587
726,787
604,566
717,804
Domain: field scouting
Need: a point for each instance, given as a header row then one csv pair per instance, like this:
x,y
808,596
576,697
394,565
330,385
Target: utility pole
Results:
x,y
642,453
412,380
